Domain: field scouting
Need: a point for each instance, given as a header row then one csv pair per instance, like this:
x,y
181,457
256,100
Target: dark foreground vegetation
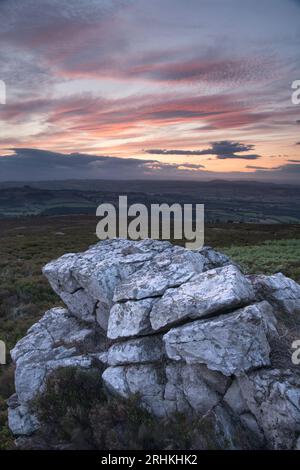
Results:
x,y
29,243
80,415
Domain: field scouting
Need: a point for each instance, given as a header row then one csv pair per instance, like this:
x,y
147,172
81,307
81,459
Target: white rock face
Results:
x,y
51,343
282,292
184,330
187,390
20,420
235,400
130,318
84,305
273,397
216,290
165,390
168,269
148,380
87,282
140,350
231,343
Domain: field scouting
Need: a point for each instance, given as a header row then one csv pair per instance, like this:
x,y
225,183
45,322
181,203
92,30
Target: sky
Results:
x,y
170,89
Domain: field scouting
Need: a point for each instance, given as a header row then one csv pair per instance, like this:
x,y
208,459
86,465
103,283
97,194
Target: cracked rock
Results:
x,y
231,344
273,396
217,290
54,342
140,350
146,380
171,268
282,292
130,318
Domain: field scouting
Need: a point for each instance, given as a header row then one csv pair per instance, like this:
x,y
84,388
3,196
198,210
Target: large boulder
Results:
x,y
232,343
184,331
121,270
282,292
215,291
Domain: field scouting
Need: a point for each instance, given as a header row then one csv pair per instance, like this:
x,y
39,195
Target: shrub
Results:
x,y
76,409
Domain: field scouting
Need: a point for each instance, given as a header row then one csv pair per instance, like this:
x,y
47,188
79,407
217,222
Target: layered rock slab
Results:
x,y
231,343
282,292
119,269
214,291
130,318
140,350
145,380
165,390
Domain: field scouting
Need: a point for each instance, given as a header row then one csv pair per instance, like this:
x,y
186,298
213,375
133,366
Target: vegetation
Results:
x,y
79,415
27,244
269,257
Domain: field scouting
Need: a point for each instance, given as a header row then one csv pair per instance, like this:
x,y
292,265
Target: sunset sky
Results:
x,y
149,89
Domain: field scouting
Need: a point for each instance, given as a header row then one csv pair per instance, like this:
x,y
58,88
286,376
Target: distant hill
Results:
x,y
225,201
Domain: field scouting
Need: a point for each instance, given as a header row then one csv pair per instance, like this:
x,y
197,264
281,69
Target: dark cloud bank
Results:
x,y
33,164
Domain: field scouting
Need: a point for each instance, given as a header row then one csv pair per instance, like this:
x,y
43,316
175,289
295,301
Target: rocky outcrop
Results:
x,y
282,292
186,331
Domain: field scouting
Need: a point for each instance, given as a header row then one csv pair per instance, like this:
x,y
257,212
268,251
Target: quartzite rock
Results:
x,y
168,269
54,342
184,330
214,291
87,282
282,292
231,343
146,380
273,396
140,350
130,318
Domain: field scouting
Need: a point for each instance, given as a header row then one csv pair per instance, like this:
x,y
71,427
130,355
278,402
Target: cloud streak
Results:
x,y
224,149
